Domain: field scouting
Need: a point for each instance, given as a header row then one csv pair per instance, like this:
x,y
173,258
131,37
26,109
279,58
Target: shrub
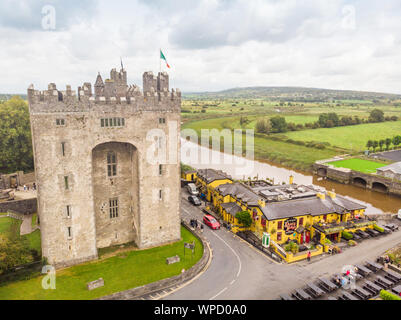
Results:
x,y
352,243
376,227
346,235
291,246
385,295
327,241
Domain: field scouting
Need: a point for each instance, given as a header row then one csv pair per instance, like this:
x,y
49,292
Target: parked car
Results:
x,y
211,222
191,187
194,200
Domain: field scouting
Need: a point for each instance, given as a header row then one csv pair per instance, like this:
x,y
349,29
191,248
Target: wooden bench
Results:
x,y
363,271
382,282
370,286
363,294
302,295
373,266
348,296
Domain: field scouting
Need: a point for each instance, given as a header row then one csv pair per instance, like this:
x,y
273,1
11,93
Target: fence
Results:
x,y
257,243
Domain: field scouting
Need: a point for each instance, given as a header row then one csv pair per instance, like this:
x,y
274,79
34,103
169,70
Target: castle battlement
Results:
x,y
155,95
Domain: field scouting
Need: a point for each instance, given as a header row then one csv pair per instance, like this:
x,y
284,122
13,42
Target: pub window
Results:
x,y
325,217
301,221
68,210
66,182
63,148
279,225
113,208
111,164
278,236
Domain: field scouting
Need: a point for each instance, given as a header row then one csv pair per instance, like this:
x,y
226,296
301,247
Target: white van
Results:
x,y
192,189
399,214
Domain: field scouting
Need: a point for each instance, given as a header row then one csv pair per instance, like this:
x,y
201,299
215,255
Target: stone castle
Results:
x,y
96,184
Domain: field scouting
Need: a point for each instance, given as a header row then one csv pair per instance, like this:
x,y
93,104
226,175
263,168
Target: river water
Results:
x,y
239,167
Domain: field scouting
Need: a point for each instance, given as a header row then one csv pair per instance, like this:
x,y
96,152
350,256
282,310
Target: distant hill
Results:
x,y
293,94
7,96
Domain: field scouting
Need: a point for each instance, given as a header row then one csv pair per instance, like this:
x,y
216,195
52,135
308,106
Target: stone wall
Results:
x,y
25,206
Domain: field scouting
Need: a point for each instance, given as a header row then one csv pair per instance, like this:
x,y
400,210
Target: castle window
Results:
x,y
68,211
162,120
60,122
111,164
66,182
160,195
112,122
113,208
69,231
160,169
63,148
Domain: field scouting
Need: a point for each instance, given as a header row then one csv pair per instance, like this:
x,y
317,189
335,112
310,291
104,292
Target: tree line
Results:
x,y
15,136
374,144
278,124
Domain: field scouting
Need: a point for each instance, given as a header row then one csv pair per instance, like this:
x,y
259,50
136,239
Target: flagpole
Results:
x,y
160,61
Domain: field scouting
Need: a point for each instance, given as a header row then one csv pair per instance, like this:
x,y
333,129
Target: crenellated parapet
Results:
x,y
115,91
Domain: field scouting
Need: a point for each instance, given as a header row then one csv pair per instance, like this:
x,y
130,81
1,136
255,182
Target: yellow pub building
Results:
x,y
285,212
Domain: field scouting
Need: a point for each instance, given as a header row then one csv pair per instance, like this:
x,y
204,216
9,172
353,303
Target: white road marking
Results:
x,y
232,282
218,293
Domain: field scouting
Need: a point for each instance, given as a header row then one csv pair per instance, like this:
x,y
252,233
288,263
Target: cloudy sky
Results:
x,y
210,44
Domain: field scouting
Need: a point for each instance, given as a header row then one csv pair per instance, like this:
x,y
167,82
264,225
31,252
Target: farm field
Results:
x,y
353,138
360,165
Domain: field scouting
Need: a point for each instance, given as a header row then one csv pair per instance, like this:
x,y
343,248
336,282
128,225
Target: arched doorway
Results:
x,y
360,182
380,187
115,187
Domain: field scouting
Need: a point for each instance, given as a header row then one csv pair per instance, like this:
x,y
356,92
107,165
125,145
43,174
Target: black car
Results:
x,y
194,200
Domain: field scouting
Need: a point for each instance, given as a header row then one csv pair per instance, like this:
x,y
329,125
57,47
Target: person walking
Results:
x,y
308,256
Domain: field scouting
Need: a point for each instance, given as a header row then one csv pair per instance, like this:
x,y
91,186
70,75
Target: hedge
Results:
x,y
380,229
385,295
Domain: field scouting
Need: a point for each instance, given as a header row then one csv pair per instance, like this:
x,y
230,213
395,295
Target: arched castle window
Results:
x,y
111,164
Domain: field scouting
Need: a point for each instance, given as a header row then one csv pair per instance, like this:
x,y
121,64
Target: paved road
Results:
x,y
238,271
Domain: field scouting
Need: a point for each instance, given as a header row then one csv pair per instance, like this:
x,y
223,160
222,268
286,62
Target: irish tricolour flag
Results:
x,y
164,58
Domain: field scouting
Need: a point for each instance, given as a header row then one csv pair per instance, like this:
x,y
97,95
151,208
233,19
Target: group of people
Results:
x,y
196,225
26,187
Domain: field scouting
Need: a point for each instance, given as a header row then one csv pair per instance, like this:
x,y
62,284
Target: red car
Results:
x,y
211,222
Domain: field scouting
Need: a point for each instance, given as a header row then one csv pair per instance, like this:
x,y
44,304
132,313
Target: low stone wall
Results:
x,y
136,293
24,206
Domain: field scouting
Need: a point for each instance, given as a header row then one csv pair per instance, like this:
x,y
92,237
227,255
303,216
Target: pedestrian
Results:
x,y
201,228
34,186
196,223
24,187
308,256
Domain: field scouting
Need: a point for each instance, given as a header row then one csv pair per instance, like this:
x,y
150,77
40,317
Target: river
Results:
x,y
239,167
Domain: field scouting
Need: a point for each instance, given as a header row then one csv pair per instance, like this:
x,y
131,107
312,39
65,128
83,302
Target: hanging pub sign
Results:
x,y
290,225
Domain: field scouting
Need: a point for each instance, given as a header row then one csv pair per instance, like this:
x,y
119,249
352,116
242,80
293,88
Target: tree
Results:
x,y
388,143
381,143
278,124
260,126
396,141
244,218
15,136
376,115
375,145
369,144
329,120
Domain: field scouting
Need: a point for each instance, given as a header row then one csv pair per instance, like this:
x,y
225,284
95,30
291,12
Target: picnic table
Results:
x,y
332,298
363,271
373,266
391,226
392,276
302,294
397,290
315,290
363,294
348,296
363,234
382,282
370,286
327,285
286,297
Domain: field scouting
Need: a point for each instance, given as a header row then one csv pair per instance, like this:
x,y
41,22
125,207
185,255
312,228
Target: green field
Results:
x,y
123,271
360,165
352,138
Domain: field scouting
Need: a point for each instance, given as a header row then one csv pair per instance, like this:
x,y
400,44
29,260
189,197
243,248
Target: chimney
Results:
x,y
321,196
291,179
262,203
331,194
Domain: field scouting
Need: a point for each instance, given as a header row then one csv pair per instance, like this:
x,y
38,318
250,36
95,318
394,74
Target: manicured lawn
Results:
x,y
124,271
360,165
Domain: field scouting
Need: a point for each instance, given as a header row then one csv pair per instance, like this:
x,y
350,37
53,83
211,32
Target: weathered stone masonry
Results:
x,y
96,187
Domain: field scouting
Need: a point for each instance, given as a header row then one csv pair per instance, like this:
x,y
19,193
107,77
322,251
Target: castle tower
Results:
x,y
97,184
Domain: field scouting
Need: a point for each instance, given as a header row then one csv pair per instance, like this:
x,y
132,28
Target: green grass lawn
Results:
x,y
351,137
124,271
360,165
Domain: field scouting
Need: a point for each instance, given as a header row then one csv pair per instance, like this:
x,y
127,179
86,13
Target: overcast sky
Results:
x,y
210,44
